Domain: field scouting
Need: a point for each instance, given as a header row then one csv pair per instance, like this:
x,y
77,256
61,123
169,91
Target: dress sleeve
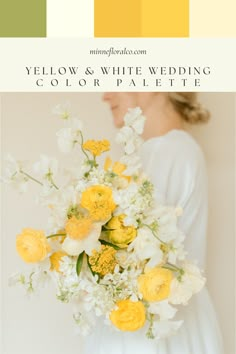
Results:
x,y
177,170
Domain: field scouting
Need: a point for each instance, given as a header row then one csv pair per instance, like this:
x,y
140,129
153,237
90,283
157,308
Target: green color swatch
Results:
x,y
22,18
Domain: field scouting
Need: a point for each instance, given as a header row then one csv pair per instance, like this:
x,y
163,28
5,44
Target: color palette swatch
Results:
x,y
23,18
117,18
164,18
141,18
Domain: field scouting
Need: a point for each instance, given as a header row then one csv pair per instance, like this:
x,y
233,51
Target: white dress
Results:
x,y
176,166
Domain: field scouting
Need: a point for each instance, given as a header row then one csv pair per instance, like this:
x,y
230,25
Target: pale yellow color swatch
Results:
x,y
212,18
141,18
117,18
165,18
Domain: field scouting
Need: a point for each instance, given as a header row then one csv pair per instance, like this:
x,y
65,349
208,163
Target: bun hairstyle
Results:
x,y
187,105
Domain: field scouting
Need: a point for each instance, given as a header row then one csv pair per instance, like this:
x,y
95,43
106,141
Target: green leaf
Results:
x,y
79,263
103,242
89,265
105,228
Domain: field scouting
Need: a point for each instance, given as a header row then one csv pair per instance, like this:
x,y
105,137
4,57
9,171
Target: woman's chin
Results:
x,y
118,122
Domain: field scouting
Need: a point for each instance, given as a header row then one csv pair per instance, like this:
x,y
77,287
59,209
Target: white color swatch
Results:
x,y
70,18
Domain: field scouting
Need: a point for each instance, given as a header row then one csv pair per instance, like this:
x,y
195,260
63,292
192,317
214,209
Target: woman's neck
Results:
x,y
161,118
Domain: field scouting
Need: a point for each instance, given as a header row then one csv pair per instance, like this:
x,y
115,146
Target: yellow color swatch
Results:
x,y
165,18
141,18
117,18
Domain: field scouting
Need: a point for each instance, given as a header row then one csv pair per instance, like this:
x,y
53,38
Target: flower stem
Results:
x,y
54,185
32,178
55,235
81,145
52,182
154,234
172,267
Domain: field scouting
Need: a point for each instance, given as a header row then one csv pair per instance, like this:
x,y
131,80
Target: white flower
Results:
x,y
124,134
163,309
68,137
68,266
62,110
167,223
129,135
135,119
16,278
72,247
191,283
131,141
147,247
124,258
46,167
134,201
163,329
58,202
75,247
133,163
122,285
67,281
132,145
177,251
13,174
34,279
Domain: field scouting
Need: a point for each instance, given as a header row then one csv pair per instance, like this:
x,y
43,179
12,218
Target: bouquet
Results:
x,y
111,249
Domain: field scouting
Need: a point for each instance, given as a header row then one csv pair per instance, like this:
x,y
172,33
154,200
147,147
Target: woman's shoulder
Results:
x,y
175,146
175,164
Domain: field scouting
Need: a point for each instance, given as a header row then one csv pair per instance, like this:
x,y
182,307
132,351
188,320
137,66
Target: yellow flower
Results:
x,y
117,168
32,245
97,147
119,234
55,260
98,200
78,229
154,285
103,261
130,316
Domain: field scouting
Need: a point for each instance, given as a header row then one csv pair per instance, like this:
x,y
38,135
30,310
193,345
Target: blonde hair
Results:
x,y
187,105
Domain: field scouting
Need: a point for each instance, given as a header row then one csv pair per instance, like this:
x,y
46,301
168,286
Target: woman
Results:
x,y
175,164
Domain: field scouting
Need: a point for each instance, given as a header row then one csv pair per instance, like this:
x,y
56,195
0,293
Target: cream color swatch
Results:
x,y
212,18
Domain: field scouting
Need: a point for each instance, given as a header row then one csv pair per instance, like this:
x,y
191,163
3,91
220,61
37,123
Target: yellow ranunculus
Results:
x,y
55,260
98,200
78,229
32,245
97,147
130,316
154,285
118,233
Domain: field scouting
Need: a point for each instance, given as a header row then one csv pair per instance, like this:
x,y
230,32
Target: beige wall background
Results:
x,y
41,324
